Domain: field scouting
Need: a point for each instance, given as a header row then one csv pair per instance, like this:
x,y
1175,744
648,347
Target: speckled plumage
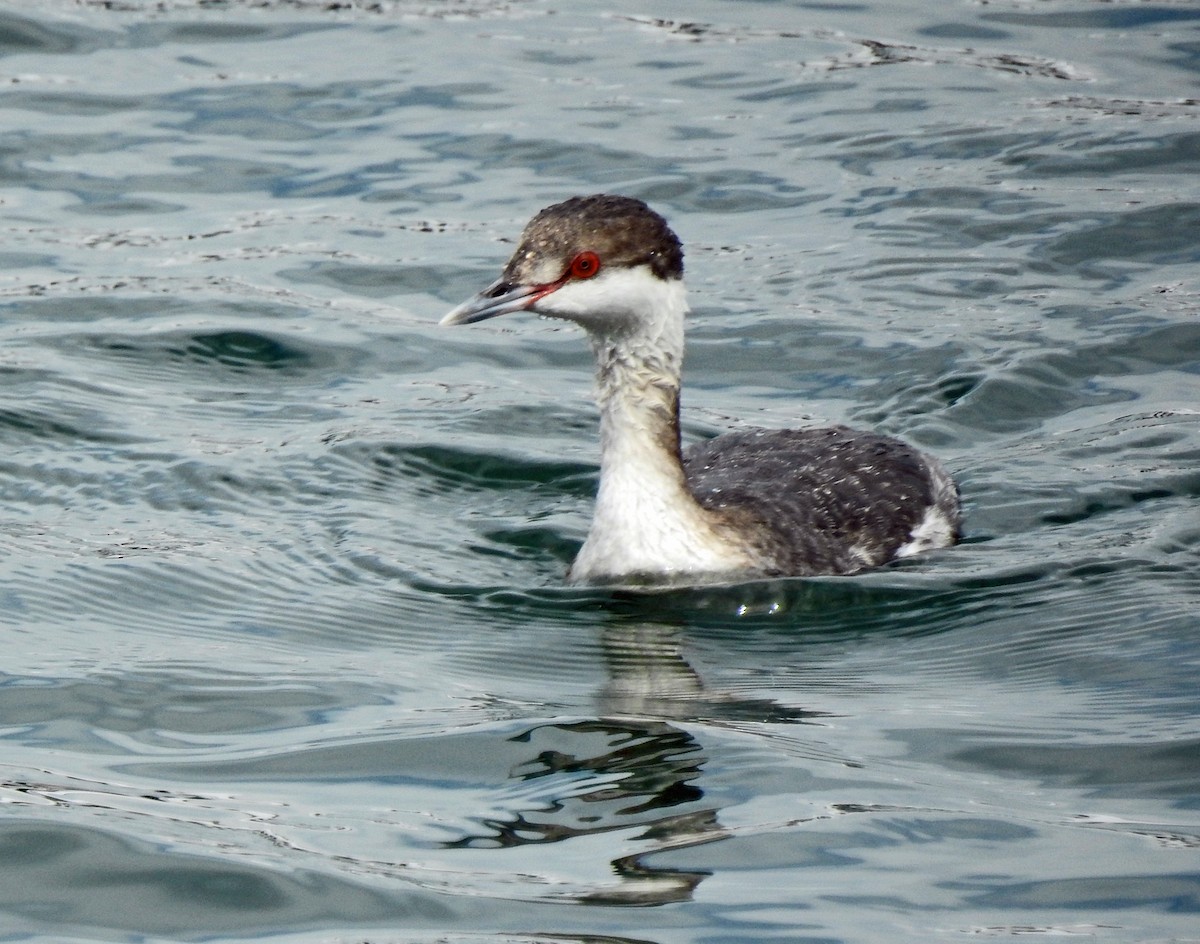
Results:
x,y
748,503
817,501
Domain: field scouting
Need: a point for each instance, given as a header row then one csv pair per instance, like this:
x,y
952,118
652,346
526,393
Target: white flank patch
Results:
x,y
935,530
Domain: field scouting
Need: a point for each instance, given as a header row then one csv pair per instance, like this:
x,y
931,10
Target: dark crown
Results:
x,y
622,231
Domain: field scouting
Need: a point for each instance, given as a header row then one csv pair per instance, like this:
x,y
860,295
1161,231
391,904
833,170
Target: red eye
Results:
x,y
584,265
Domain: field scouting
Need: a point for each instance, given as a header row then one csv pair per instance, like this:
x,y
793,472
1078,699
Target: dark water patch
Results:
x,y
1115,371
1175,893
1158,462
930,400
25,36
963,31
1148,236
728,81
1154,346
25,425
1098,18
529,542
1166,769
442,469
79,104
233,355
78,877
1021,398
800,92
188,32
1186,56
26,260
1108,500
241,350
132,206
1127,155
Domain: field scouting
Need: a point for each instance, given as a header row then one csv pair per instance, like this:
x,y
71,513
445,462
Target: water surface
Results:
x,y
288,651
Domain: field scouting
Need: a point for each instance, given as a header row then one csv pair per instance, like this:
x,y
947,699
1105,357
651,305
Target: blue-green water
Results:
x,y
287,654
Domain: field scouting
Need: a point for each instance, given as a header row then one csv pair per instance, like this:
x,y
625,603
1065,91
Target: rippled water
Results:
x,y
287,651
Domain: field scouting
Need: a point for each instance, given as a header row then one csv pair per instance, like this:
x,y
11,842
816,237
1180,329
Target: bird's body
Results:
x,y
745,504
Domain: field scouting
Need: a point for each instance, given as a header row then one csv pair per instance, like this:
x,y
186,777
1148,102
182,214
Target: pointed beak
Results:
x,y
499,298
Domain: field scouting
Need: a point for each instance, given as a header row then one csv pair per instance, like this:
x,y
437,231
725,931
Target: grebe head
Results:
x,y
608,263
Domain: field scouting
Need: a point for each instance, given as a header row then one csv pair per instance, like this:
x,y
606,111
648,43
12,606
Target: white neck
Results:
x,y
646,522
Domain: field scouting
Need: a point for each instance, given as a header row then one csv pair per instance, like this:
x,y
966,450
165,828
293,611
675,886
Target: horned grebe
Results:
x,y
752,503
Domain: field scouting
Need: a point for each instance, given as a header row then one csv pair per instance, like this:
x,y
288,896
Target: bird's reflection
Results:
x,y
650,677
608,775
633,768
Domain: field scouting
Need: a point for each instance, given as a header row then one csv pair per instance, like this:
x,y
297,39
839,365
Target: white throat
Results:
x,y
646,523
